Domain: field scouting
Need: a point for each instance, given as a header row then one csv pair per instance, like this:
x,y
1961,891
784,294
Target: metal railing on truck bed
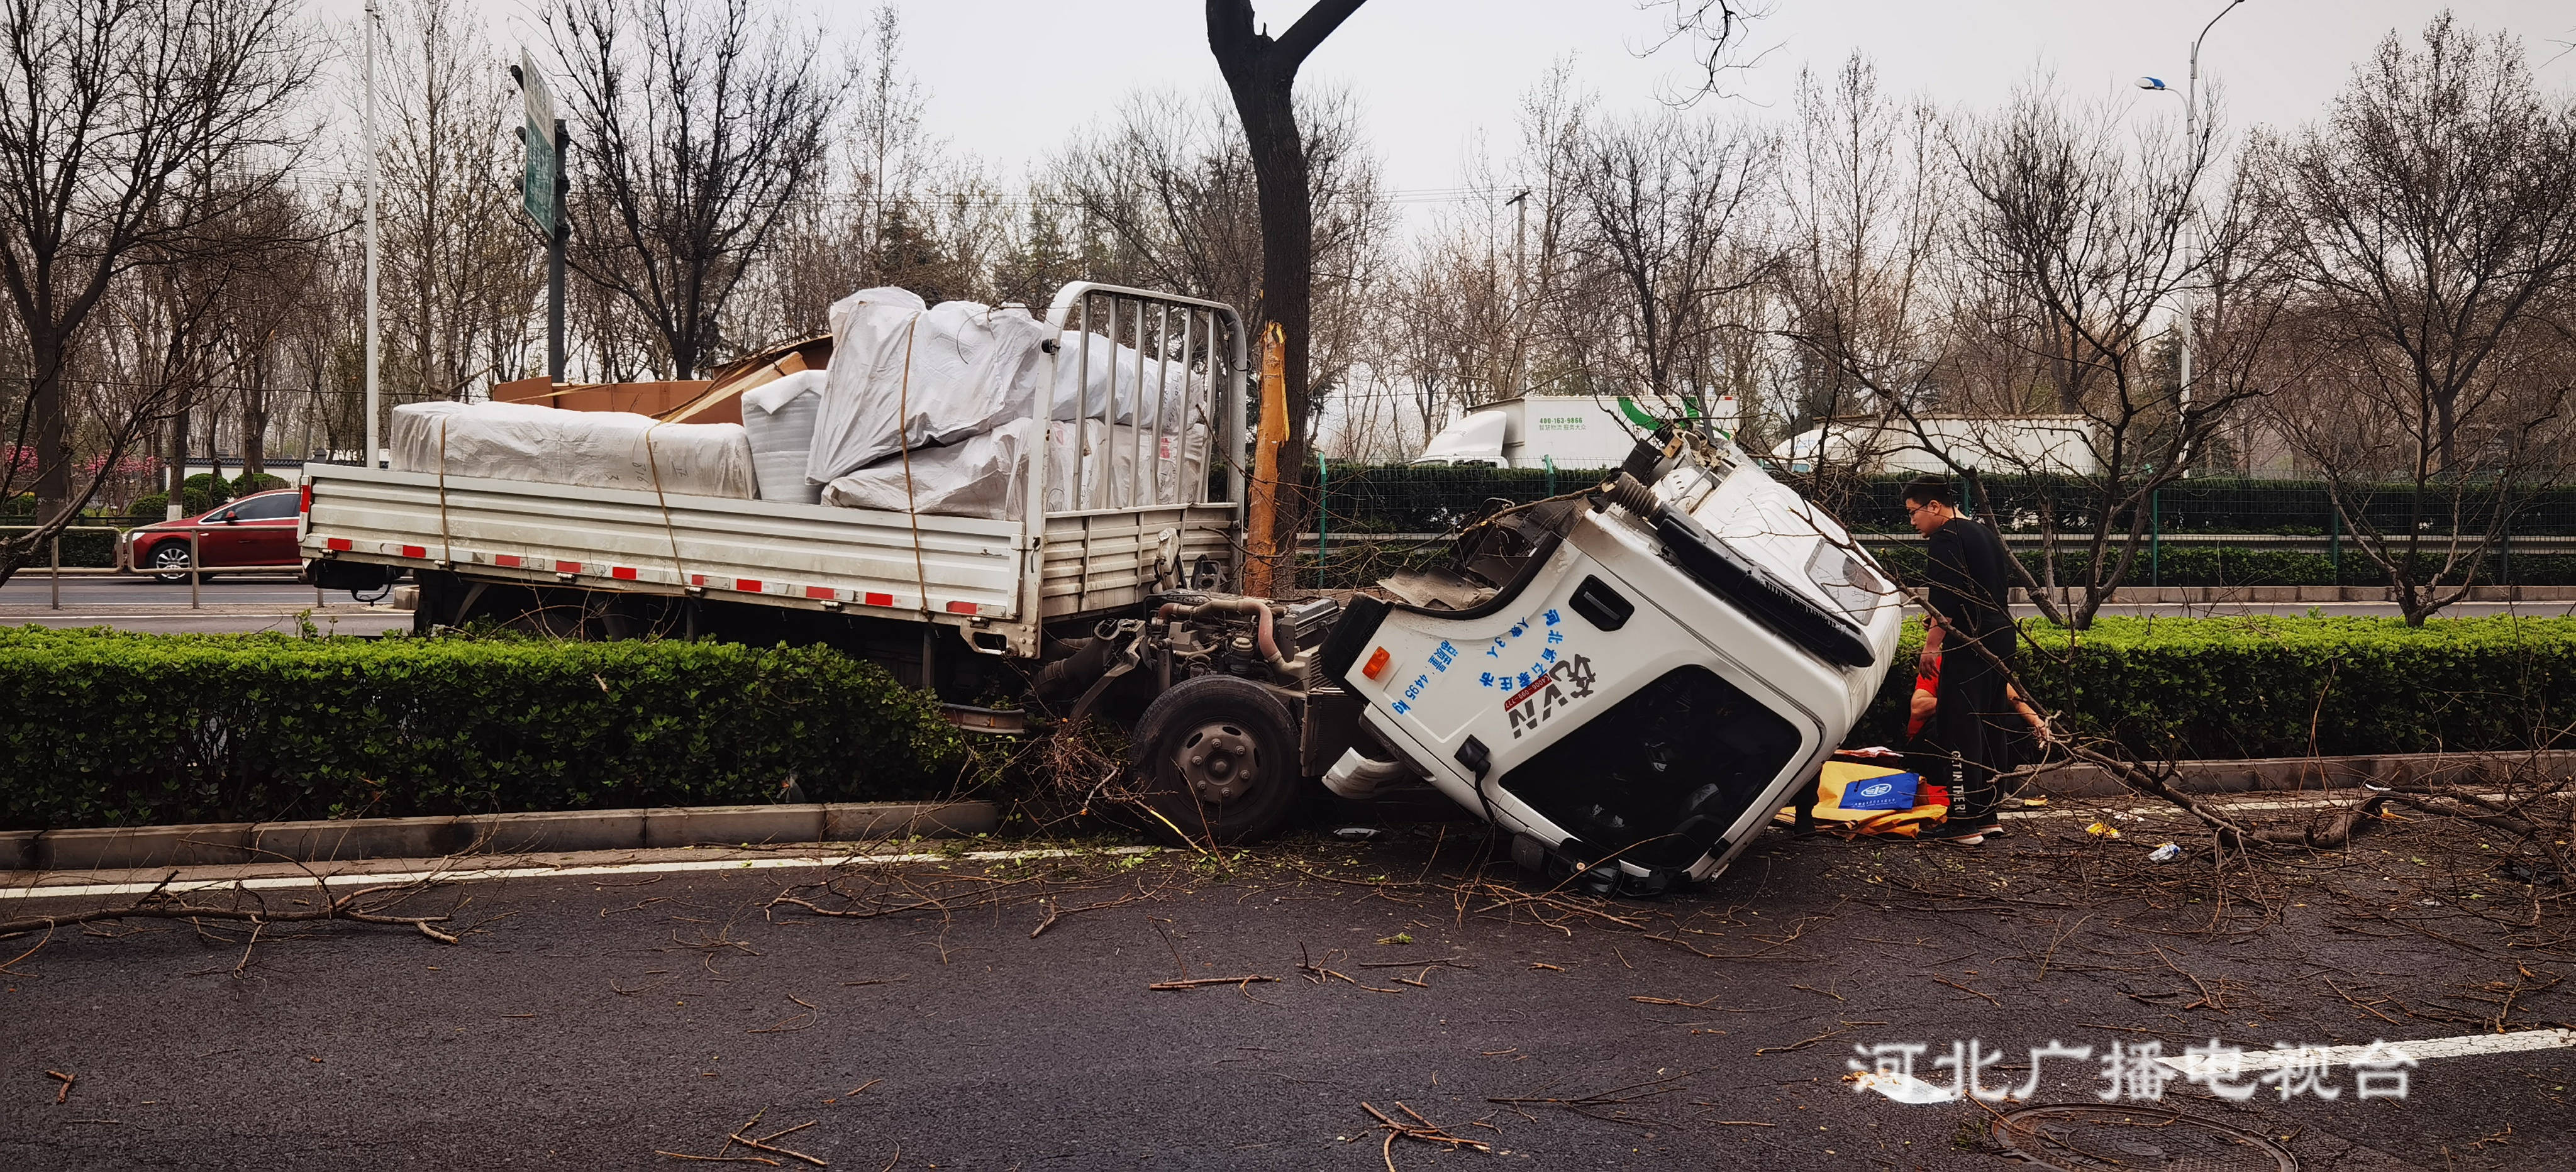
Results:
x,y
1119,538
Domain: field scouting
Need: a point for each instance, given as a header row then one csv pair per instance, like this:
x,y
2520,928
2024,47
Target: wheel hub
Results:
x,y
1217,760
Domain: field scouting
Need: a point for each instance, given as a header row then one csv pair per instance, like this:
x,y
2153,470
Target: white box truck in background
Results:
x,y
1536,431
2060,444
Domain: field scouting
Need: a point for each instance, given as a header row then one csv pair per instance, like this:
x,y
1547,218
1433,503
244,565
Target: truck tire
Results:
x,y
1216,756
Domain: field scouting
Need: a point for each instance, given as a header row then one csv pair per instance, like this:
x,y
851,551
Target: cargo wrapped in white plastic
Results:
x,y
975,477
1113,381
591,449
779,417
904,376
981,475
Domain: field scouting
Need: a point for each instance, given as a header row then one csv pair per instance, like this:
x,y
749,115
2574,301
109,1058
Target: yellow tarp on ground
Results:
x,y
1834,819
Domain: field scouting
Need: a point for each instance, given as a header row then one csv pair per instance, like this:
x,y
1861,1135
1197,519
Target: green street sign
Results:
x,y
537,187
537,190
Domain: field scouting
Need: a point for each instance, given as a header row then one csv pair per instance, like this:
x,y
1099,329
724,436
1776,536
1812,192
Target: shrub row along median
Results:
x,y
2275,686
106,729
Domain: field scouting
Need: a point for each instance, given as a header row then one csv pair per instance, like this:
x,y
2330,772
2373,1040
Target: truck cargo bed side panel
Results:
x,y
638,541
1112,560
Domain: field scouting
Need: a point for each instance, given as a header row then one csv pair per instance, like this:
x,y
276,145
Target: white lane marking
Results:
x,y
371,878
1904,1088
2471,1045
2230,1065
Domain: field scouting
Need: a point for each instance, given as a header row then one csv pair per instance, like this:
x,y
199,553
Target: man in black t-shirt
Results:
x,y
1967,569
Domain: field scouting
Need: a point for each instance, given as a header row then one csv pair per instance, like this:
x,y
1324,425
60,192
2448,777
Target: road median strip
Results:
x,y
469,874
211,844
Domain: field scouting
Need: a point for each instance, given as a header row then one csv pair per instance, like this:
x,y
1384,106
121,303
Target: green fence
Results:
x,y
1372,519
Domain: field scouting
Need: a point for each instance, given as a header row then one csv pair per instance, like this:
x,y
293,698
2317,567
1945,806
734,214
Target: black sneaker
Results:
x,y
1955,834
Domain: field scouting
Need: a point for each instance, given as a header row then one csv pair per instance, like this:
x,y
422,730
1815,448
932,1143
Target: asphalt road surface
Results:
x,y
246,601
971,1015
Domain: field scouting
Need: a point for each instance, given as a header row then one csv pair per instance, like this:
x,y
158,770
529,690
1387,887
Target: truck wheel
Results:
x,y
1217,757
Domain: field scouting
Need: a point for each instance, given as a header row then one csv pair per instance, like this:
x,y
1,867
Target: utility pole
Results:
x,y
1520,295
373,181
555,242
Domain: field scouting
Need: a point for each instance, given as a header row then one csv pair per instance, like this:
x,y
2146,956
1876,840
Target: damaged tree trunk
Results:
x,y
1261,75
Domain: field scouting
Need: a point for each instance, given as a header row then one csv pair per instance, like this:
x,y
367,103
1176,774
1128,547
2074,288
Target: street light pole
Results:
x,y
2191,141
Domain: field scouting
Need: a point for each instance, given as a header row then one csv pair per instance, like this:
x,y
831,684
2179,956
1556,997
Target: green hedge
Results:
x,y
96,550
2250,686
108,728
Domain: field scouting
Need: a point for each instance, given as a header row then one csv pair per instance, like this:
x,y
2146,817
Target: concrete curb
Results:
x,y
2286,774
218,843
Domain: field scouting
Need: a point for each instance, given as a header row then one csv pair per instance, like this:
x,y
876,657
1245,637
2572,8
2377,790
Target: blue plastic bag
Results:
x,y
1894,791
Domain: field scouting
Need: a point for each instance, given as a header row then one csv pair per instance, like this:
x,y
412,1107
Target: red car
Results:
x,y
256,532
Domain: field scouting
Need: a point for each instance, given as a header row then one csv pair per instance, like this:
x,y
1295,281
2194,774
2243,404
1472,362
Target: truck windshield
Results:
x,y
1660,776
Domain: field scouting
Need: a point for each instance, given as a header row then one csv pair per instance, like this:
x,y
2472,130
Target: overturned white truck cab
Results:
x,y
1634,679
1629,679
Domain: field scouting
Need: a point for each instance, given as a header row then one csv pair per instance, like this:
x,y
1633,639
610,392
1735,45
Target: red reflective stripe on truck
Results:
x,y
337,543
961,608
697,579
414,551
622,573
747,585
567,567
876,599
304,499
818,592
506,559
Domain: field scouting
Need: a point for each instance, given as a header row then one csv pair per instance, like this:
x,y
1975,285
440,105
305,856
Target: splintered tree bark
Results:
x,y
1261,75
1262,562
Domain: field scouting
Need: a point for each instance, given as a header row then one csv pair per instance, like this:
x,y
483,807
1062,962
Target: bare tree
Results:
x,y
112,112
1167,197
1715,33
1866,193
461,271
882,222
1666,204
695,123
1555,344
2078,240
2433,221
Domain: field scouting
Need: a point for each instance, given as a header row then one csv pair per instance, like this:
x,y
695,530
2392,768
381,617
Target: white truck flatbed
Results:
x,y
999,581
986,577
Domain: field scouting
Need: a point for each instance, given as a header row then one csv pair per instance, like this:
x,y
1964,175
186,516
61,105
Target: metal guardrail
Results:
x,y
196,564
54,556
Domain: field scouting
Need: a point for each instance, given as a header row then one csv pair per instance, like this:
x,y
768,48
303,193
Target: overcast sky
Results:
x,y
1008,79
